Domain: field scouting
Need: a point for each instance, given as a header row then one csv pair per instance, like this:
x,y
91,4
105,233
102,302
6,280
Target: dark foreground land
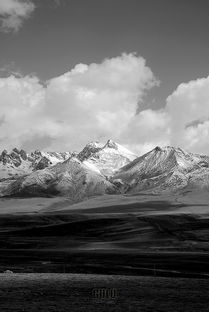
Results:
x,y
76,292
154,253
141,239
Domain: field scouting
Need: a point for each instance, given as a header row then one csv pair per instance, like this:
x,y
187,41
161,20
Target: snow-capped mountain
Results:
x,y
71,178
100,169
107,158
164,170
18,162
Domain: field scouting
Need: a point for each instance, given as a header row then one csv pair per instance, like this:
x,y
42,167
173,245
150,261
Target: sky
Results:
x,y
75,71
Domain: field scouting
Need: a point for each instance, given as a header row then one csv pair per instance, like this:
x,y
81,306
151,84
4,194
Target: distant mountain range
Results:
x,y
101,169
18,162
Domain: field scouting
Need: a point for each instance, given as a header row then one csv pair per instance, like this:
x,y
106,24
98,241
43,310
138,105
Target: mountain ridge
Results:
x,y
19,162
102,168
162,169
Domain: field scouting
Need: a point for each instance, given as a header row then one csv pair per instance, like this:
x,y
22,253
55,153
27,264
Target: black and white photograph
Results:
x,y
104,155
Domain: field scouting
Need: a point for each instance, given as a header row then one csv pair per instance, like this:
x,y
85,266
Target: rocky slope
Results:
x,y
70,178
76,176
18,162
165,169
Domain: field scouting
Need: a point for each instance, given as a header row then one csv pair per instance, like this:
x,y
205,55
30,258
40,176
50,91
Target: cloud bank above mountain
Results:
x,y
90,102
100,101
183,122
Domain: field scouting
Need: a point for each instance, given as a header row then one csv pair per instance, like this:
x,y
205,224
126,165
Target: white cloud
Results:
x,y
146,130
188,108
183,122
13,13
90,102
98,102
22,101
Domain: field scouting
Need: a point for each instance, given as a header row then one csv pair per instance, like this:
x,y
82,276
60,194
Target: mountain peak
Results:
x,y
95,144
16,150
111,144
89,150
167,148
170,149
158,149
107,157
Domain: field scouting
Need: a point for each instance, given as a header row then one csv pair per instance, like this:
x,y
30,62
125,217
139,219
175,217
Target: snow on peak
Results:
x,y
71,178
182,159
163,159
111,144
89,150
18,162
168,149
107,157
